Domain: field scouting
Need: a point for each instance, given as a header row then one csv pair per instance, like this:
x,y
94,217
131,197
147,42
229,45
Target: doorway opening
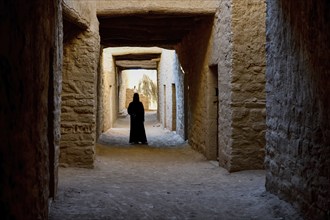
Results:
x,y
213,112
140,70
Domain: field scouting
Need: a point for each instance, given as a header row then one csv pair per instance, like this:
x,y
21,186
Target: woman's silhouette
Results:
x,y
136,111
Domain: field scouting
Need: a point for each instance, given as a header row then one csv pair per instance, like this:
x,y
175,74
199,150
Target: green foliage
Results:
x,y
148,88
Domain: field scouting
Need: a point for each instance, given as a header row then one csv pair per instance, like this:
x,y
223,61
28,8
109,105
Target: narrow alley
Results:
x,y
161,182
236,95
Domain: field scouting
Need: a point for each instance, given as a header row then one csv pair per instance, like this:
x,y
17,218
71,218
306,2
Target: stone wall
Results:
x,y
29,60
99,111
194,54
171,93
248,84
122,82
54,103
298,104
222,57
80,13
239,53
179,75
212,110
79,100
229,56
166,71
109,88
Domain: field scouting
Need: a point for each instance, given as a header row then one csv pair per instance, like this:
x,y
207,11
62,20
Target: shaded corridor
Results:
x,y
142,182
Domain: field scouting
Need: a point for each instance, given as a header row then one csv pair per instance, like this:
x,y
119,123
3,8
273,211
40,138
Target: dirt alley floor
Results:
x,y
161,182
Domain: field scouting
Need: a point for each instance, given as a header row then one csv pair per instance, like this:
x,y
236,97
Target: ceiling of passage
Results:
x,y
145,30
137,60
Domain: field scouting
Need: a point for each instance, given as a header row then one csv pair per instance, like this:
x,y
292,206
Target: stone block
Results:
x,y
70,117
84,110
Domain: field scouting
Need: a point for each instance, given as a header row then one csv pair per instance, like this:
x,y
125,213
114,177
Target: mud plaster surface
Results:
x,y
161,182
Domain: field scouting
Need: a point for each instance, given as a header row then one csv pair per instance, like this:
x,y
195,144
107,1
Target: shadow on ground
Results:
x,y
161,181
156,135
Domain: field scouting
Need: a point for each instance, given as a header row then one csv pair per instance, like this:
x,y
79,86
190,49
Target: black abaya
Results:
x,y
137,132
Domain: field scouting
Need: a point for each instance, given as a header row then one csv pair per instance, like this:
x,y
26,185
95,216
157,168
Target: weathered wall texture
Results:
x,y
222,56
78,119
212,111
166,71
194,54
54,103
248,84
122,83
298,104
147,6
108,84
180,126
28,62
171,93
80,13
99,110
240,40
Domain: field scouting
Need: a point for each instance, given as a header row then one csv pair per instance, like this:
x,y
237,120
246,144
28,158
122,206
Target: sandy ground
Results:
x,y
164,180
157,137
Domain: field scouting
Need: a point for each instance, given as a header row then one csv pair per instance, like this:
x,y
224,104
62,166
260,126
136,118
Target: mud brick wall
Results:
x,y
166,71
28,62
236,45
239,52
298,104
194,52
223,58
108,89
180,102
54,103
79,93
248,84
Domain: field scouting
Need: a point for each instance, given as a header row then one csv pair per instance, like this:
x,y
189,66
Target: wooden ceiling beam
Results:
x,y
137,64
142,56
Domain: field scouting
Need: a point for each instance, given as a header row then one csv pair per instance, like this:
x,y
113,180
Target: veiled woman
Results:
x,y
136,111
